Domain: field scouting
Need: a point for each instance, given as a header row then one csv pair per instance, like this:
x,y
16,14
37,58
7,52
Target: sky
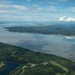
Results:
x,y
37,10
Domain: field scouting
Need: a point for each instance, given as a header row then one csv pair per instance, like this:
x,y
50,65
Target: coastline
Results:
x,y
1,64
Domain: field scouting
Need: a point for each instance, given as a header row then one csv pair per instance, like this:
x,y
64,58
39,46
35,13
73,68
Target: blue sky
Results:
x,y
36,10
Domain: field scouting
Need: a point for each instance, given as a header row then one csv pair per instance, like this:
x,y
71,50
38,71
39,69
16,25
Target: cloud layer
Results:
x,y
65,18
37,10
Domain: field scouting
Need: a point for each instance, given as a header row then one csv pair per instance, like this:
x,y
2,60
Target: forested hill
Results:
x,y
35,63
50,29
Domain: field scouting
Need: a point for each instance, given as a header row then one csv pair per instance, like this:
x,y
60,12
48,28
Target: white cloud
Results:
x,y
18,7
37,10
35,5
7,8
62,0
29,0
52,9
52,2
67,10
6,2
72,9
66,19
57,1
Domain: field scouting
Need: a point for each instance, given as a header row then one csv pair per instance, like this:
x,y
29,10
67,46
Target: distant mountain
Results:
x,y
35,63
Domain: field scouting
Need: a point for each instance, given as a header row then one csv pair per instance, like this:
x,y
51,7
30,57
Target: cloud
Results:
x,y
13,7
52,2
38,10
66,19
6,2
18,18
29,0
62,0
71,9
57,1
52,8
35,5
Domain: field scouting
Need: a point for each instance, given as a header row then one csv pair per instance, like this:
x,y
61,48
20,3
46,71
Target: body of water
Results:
x,y
63,46
8,68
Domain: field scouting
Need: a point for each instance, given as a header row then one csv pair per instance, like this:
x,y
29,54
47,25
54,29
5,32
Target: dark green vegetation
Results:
x,y
53,29
35,63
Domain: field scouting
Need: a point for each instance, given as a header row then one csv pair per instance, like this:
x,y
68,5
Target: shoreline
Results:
x,y
2,64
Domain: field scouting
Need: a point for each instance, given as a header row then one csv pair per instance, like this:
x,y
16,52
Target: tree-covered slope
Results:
x,y
35,63
50,29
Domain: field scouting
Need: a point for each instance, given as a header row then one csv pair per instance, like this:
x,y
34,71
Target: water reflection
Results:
x,y
51,44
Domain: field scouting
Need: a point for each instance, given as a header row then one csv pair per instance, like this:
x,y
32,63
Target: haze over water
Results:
x,y
52,44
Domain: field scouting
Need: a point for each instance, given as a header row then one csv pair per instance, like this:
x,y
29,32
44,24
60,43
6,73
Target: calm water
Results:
x,y
8,68
63,46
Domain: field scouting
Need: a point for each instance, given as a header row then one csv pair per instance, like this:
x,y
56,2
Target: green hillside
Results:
x,y
35,63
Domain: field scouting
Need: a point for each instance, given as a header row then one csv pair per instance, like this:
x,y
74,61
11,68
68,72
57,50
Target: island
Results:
x,y
68,30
